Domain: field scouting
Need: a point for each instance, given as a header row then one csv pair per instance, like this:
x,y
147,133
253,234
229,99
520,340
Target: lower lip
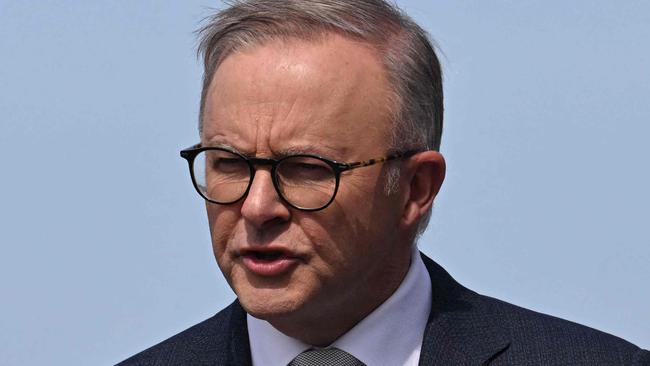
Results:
x,y
269,268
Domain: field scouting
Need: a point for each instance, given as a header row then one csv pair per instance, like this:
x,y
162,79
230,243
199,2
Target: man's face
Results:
x,y
329,98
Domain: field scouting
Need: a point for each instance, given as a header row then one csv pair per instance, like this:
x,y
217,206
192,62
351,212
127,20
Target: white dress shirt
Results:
x,y
389,336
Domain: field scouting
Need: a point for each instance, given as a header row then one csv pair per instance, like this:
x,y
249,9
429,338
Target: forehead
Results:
x,y
331,93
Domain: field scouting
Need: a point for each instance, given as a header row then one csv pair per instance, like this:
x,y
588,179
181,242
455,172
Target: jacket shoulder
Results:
x,y
548,340
208,342
477,329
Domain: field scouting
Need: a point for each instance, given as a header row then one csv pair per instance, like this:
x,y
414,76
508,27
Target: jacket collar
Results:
x,y
240,353
461,329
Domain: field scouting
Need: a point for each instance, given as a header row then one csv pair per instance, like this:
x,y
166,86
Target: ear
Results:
x,y
424,175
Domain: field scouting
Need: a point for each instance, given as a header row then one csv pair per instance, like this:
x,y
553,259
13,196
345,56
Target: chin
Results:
x,y
269,304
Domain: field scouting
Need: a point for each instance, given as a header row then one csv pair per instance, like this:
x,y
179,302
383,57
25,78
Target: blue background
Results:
x,y
105,246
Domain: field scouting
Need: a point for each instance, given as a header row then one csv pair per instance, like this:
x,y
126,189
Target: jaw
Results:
x,y
317,320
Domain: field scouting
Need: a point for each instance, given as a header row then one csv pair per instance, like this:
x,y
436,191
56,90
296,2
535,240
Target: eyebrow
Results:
x,y
311,149
223,145
215,142
324,150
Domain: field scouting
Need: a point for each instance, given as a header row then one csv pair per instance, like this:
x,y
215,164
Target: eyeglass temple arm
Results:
x,y
362,163
185,153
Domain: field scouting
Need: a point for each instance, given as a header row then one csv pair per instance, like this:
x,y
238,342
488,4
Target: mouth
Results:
x,y
266,256
268,262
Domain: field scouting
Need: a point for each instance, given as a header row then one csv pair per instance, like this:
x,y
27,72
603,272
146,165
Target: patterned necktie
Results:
x,y
325,357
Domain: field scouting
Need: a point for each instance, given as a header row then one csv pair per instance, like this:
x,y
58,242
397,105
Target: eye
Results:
x,y
305,169
223,162
227,163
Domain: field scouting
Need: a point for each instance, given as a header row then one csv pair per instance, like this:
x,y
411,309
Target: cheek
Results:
x,y
367,218
222,221
334,237
355,207
341,259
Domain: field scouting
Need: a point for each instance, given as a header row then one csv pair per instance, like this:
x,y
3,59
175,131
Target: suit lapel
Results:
x,y
461,329
240,352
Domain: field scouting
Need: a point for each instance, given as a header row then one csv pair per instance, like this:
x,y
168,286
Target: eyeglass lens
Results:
x,y
305,182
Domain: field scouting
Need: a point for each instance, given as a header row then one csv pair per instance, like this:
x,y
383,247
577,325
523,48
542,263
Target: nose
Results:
x,y
263,206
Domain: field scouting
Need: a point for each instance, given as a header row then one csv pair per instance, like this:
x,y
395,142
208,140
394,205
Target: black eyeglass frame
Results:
x,y
193,151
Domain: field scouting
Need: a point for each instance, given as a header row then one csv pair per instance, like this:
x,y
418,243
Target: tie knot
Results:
x,y
325,357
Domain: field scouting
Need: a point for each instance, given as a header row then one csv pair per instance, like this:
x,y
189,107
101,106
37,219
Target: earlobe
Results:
x,y
425,174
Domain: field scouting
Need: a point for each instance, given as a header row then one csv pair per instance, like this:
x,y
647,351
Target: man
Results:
x,y
320,128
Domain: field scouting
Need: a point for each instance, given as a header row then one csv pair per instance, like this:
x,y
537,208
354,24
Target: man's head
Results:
x,y
346,80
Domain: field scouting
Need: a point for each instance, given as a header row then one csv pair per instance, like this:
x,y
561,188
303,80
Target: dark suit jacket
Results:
x,y
464,328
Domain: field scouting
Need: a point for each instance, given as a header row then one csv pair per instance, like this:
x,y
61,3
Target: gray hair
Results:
x,y
407,54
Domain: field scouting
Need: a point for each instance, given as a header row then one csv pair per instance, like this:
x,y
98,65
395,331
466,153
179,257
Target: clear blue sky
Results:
x,y
105,246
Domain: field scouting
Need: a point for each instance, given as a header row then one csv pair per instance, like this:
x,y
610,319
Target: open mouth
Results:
x,y
267,256
269,262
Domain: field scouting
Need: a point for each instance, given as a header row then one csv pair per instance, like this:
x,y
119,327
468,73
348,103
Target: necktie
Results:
x,y
325,357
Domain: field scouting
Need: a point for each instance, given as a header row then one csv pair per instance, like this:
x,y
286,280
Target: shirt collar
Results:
x,y
390,335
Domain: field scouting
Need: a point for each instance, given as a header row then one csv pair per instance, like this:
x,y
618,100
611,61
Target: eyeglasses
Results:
x,y
303,181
